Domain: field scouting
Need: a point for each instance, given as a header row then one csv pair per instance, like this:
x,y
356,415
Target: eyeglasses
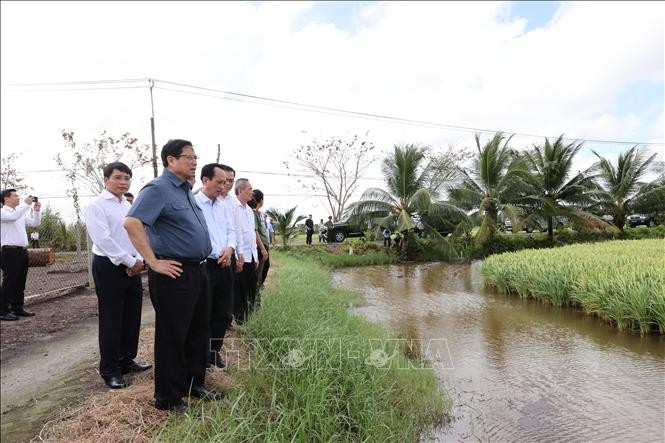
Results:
x,y
191,158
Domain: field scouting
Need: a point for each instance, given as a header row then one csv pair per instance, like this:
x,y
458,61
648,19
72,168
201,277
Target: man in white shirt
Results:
x,y
34,239
223,240
116,268
14,256
246,232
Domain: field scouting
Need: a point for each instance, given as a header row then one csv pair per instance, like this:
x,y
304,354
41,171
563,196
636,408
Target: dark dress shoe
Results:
x,y
23,313
217,360
115,382
174,407
204,394
135,367
8,317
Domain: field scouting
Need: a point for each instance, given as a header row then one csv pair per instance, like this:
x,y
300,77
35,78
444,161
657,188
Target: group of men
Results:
x,y
324,230
206,255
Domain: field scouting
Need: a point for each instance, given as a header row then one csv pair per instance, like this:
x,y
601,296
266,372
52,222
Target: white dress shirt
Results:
x,y
103,219
246,231
231,201
14,221
220,226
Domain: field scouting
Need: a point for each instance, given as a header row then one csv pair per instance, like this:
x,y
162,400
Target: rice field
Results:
x,y
621,281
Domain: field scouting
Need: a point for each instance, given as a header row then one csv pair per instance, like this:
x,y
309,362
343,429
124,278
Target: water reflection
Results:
x,y
519,370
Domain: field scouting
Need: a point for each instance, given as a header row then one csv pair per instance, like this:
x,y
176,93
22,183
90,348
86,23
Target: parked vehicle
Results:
x,y
344,229
641,219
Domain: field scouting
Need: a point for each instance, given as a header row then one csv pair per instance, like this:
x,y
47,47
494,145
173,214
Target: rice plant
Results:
x,y
620,281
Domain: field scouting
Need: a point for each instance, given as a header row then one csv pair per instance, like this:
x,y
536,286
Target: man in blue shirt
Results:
x,y
175,249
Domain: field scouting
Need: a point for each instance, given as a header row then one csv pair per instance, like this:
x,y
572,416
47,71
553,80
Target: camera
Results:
x,y
35,199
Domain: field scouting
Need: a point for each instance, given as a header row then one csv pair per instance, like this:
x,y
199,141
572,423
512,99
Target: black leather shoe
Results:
x,y
135,367
23,313
174,407
217,360
8,317
115,382
204,394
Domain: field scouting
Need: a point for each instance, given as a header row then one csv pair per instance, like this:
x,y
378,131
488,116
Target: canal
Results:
x,y
516,369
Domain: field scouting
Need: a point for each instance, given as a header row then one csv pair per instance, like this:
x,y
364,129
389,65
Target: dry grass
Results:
x,y
127,414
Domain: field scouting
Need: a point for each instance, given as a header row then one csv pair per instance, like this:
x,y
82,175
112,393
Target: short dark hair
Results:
x,y
209,170
173,148
117,166
227,168
258,195
128,194
6,193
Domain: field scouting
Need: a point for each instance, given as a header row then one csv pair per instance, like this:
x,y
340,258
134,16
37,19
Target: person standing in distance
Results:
x,y
169,230
223,239
309,225
116,270
14,255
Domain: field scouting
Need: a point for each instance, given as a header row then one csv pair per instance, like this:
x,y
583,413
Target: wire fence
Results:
x,y
59,259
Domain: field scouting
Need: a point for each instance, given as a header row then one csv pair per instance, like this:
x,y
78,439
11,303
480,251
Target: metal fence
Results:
x,y
59,259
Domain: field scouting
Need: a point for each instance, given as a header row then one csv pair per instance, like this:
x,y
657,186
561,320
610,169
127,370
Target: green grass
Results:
x,y
621,281
335,394
337,255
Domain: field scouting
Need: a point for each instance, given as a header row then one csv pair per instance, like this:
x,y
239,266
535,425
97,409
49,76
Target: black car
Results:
x,y
344,229
641,219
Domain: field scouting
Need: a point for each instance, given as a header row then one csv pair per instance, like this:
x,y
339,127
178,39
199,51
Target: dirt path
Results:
x,y
50,361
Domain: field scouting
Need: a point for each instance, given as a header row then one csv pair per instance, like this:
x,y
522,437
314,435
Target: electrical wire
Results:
x,y
247,98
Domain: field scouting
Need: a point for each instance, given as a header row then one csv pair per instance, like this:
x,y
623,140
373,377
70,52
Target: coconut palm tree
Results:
x,y
553,193
623,190
493,185
409,201
285,224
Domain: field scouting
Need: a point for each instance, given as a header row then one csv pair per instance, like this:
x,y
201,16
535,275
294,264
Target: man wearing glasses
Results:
x,y
175,249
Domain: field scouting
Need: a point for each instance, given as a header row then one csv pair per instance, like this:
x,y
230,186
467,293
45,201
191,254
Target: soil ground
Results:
x,y
50,360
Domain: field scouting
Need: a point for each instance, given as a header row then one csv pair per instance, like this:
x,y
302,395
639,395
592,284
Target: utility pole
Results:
x,y
219,150
152,130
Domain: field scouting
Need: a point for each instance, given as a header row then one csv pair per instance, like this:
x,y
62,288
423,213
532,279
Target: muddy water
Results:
x,y
518,370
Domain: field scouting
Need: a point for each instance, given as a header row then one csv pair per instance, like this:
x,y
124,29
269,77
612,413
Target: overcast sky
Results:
x,y
592,71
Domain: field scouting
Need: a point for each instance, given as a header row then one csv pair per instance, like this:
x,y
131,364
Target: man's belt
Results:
x,y
185,261
13,247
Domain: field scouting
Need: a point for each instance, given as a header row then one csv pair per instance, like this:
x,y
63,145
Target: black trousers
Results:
x,y
182,329
120,299
308,240
245,293
262,272
221,312
14,263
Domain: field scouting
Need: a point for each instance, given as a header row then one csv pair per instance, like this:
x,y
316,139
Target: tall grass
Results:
x,y
329,393
620,281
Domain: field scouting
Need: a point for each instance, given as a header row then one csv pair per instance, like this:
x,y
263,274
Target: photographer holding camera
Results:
x,y
14,257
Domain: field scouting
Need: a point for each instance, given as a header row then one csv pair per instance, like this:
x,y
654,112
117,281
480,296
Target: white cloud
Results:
x,y
457,63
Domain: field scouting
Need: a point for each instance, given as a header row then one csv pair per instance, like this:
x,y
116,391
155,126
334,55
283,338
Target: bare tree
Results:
x,y
337,163
9,176
83,164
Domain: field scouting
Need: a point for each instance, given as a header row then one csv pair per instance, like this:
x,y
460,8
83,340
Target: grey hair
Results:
x,y
241,184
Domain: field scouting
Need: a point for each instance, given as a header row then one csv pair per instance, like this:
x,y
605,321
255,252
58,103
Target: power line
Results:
x,y
400,119
326,109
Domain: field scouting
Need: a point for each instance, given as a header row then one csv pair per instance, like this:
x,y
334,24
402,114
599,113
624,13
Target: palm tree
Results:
x,y
553,194
285,225
493,185
622,189
410,196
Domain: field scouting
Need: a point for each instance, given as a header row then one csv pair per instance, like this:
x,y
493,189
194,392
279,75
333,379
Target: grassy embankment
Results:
x,y
312,376
621,281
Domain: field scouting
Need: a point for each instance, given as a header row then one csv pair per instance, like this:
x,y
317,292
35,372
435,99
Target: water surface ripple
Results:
x,y
518,370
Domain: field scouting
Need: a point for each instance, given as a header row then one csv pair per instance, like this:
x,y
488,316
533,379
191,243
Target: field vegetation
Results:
x,y
620,281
